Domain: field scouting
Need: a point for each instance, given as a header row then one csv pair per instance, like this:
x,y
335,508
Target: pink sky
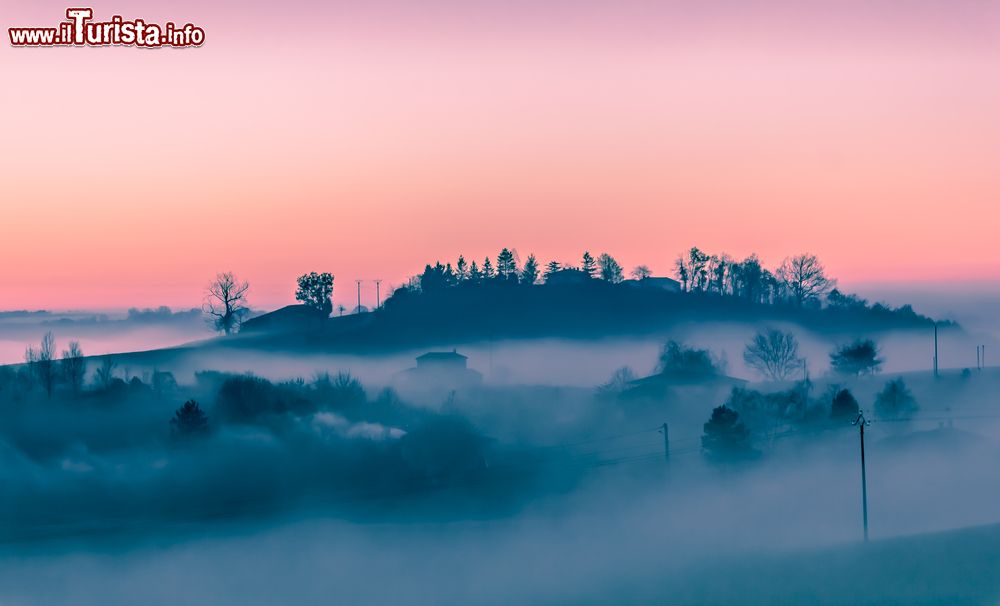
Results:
x,y
368,141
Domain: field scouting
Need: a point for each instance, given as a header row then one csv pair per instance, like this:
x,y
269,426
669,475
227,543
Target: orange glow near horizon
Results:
x,y
130,177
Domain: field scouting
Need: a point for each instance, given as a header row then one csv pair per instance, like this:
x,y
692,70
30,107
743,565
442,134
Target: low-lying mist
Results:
x,y
100,333
236,476
686,533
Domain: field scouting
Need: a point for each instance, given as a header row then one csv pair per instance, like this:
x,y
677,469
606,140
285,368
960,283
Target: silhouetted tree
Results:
x,y
105,374
461,269
316,291
41,363
895,400
163,382
844,407
226,302
506,266
692,271
588,265
682,274
748,279
189,422
341,392
804,278
529,274
73,366
726,438
610,270
719,268
488,272
551,267
436,277
857,358
835,298
774,354
618,383
641,272
475,276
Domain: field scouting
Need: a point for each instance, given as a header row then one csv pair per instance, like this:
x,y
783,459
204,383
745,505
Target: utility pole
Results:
x,y
935,351
378,297
359,295
978,365
666,442
861,422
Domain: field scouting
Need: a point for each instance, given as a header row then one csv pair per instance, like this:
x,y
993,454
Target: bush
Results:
x,y
677,360
442,447
246,398
343,392
760,408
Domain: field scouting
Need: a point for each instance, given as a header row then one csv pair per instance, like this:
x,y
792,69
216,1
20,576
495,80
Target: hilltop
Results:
x,y
589,309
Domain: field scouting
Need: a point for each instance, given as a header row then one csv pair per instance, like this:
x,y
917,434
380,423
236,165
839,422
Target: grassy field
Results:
x,y
953,568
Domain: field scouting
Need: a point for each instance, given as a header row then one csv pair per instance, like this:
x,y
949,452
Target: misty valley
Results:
x,y
601,440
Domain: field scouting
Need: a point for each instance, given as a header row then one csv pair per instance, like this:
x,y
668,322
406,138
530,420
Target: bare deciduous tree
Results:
x,y
41,363
226,302
618,383
105,375
774,354
641,272
74,367
804,277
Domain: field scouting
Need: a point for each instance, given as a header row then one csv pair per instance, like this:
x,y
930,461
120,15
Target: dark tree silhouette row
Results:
x,y
800,280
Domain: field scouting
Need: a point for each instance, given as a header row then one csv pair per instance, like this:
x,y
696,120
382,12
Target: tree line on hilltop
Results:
x,y
800,281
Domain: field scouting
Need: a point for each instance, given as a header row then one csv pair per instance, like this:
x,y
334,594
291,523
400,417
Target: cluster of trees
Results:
x,y
774,354
49,371
227,306
508,269
66,374
434,444
800,279
727,435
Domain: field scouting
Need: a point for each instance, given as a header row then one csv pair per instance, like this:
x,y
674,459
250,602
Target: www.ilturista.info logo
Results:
x,y
80,30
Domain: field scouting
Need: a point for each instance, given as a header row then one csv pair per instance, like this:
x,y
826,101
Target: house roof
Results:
x,y
441,355
675,379
290,317
653,282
